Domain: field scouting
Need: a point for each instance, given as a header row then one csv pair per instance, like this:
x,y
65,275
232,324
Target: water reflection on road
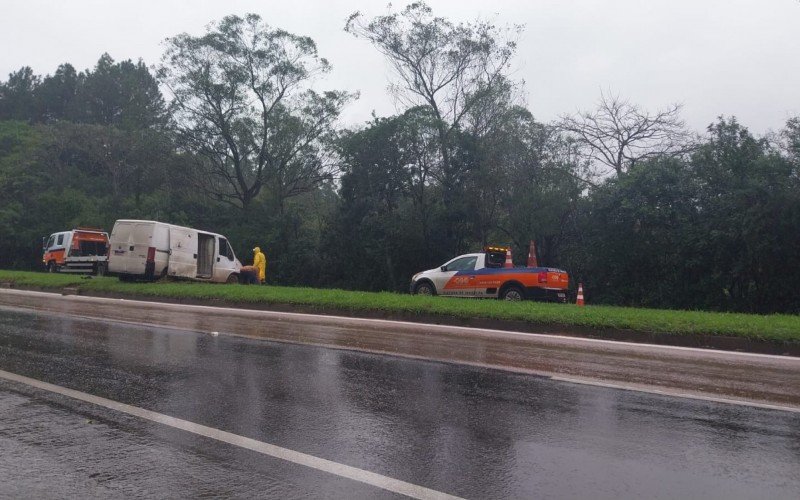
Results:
x,y
466,431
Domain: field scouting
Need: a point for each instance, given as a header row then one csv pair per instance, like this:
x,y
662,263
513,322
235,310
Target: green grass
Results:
x,y
764,327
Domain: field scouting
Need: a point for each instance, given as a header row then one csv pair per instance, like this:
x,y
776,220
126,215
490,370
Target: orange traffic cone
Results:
x,y
509,262
532,261
580,295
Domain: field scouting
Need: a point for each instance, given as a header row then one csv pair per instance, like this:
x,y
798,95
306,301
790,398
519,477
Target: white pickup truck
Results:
x,y
484,275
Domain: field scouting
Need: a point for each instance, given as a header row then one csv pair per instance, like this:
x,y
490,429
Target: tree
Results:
x,y
750,201
450,68
122,94
791,141
642,231
619,134
243,105
56,96
17,95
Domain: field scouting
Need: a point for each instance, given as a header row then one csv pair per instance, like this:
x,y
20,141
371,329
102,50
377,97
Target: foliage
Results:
x,y
718,231
123,95
243,106
454,72
462,164
619,134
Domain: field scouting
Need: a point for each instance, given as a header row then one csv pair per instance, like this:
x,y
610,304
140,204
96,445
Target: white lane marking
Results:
x,y
323,317
321,464
673,393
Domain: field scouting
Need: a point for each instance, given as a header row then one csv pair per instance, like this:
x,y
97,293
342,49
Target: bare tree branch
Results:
x,y
619,134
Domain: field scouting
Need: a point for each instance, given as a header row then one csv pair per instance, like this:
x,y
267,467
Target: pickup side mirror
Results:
x,y
44,242
443,268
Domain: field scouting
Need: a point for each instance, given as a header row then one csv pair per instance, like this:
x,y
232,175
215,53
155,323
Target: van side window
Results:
x,y
60,239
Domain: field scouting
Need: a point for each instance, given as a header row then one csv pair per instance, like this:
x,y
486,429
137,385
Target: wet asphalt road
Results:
x,y
773,381
466,431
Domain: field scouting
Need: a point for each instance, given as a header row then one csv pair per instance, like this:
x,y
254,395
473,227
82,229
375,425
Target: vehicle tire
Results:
x,y
101,269
512,293
424,288
52,267
233,278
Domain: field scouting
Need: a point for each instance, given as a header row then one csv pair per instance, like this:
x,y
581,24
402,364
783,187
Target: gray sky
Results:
x,y
731,57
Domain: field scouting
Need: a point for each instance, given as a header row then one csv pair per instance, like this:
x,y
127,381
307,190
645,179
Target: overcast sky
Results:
x,y
731,57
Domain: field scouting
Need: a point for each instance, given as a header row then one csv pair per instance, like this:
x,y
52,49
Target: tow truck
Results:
x,y
80,250
491,274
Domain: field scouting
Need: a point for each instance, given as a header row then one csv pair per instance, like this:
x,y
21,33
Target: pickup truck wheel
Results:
x,y
513,293
424,288
232,279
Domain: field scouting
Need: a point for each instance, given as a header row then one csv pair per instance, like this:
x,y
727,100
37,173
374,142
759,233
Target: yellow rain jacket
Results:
x,y
260,263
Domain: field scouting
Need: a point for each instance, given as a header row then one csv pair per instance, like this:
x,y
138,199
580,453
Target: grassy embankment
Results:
x,y
751,326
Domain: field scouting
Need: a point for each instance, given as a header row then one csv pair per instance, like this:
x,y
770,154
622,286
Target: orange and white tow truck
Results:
x,y
81,250
491,274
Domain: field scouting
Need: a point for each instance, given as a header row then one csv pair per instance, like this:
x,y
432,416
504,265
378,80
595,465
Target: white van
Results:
x,y
144,249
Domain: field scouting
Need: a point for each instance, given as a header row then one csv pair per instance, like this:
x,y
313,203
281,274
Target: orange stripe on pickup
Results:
x,y
554,280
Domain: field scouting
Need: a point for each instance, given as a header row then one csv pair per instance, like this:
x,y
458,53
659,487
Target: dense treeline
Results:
x,y
230,133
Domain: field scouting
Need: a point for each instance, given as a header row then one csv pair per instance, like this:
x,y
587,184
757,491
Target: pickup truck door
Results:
x,y
457,277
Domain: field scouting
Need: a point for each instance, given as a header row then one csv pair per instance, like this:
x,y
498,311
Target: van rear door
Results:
x,y
121,242
182,252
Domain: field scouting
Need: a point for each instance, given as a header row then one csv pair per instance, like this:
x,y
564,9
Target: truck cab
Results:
x,y
488,274
81,250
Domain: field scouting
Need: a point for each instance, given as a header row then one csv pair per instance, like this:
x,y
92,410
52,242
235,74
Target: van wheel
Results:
x,y
232,279
513,293
52,267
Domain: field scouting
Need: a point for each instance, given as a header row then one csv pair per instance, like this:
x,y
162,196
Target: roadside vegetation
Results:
x,y
642,210
775,327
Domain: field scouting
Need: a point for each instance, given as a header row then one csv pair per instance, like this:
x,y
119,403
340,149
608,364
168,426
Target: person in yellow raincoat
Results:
x,y
260,263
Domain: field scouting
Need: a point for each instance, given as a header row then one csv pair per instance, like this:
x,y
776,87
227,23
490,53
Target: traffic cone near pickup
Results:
x,y
532,261
509,262
580,295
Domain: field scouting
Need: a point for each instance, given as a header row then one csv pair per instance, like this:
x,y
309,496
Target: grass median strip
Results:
x,y
764,327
